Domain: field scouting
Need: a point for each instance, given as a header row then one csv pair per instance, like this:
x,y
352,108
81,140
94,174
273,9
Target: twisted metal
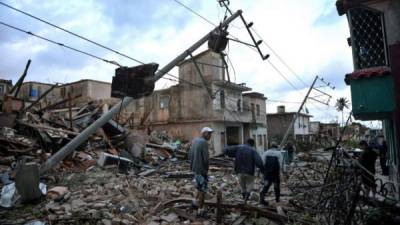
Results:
x,y
341,198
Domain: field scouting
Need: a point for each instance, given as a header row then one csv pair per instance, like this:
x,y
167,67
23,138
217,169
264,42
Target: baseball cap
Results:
x,y
206,129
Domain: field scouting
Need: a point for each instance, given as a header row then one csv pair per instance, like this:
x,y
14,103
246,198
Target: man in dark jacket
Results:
x,y
367,161
199,162
291,149
273,165
383,150
246,160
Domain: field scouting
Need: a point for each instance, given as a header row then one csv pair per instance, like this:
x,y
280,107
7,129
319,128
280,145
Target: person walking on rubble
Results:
x,y
199,161
367,161
273,165
291,149
246,160
383,150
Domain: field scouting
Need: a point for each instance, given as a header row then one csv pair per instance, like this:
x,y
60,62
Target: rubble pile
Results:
x,y
118,176
159,195
124,176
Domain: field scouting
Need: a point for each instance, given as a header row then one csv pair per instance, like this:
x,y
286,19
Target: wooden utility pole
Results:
x,y
70,111
84,135
297,114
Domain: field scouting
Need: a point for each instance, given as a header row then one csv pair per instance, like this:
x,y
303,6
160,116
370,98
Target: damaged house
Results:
x,y
279,122
5,87
325,134
206,99
375,42
81,91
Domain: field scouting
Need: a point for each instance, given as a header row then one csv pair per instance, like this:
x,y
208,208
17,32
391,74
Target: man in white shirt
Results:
x,y
199,164
273,164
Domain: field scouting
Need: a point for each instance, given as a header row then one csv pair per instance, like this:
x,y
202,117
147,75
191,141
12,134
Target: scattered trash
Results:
x,y
57,192
8,196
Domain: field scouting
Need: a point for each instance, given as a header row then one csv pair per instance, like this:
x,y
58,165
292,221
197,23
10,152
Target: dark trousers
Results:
x,y
385,168
269,180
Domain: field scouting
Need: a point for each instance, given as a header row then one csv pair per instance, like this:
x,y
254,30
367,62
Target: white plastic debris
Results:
x,y
35,222
43,188
8,195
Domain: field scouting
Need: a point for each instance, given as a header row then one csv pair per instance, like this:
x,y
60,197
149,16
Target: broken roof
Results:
x,y
9,82
85,80
255,95
287,114
36,82
241,87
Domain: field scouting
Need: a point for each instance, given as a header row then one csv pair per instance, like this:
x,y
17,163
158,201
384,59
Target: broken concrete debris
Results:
x,y
125,176
88,187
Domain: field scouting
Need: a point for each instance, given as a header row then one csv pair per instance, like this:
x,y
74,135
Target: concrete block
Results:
x,y
106,159
27,182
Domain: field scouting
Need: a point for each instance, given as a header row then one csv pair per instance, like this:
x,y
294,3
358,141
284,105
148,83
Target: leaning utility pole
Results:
x,y
321,100
297,114
84,135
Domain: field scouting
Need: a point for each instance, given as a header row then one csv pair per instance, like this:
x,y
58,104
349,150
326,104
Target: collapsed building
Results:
x,y
326,134
80,91
5,86
206,99
324,188
232,110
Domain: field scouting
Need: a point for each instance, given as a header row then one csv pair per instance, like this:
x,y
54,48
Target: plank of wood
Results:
x,y
184,214
43,127
239,220
219,208
112,150
280,210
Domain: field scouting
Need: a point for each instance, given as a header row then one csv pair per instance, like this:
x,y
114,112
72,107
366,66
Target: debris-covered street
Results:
x,y
81,192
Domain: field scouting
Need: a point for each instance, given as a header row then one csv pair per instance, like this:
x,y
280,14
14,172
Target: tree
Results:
x,y
342,103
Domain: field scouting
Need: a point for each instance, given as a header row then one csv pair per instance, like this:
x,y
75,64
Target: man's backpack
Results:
x,y
271,164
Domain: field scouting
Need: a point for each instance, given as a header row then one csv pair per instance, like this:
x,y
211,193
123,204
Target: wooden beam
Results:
x,y
43,127
219,208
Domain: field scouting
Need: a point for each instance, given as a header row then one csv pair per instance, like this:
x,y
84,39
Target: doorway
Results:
x,y
233,135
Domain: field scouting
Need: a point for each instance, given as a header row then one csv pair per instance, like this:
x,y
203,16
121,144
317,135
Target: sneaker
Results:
x,y
194,205
202,213
263,202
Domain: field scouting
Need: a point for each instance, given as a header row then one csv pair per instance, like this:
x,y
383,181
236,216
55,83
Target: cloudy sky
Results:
x,y
308,35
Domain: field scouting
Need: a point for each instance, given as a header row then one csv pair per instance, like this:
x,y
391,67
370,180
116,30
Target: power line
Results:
x,y
100,45
194,12
259,36
60,44
205,19
278,71
86,39
72,33
82,37
69,47
278,57
124,55
282,101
